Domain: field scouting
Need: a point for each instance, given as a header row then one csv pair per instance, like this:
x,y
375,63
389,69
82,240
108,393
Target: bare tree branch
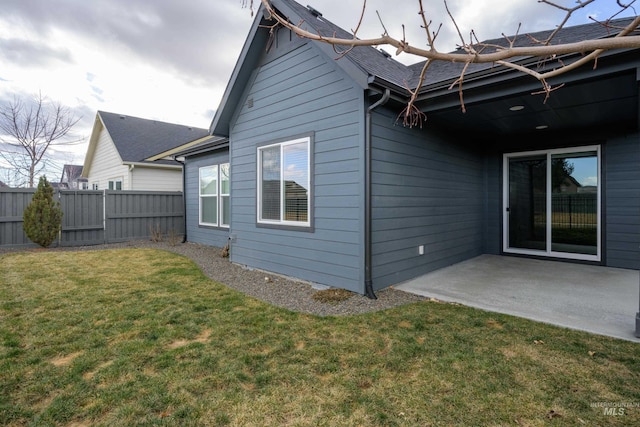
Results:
x,y
412,114
500,54
569,11
474,52
354,32
31,129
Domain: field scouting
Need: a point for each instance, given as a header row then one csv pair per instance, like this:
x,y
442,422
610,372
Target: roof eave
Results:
x,y
170,153
221,119
247,63
93,143
152,165
203,149
498,74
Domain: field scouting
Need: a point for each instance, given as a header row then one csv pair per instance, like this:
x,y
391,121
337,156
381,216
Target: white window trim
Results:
x,y
218,196
283,222
221,196
505,201
114,181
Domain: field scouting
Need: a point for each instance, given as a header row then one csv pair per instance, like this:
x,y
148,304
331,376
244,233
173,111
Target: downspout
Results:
x,y
131,167
184,200
368,281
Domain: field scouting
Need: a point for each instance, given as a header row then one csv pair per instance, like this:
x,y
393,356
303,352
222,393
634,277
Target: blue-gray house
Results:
x,y
309,173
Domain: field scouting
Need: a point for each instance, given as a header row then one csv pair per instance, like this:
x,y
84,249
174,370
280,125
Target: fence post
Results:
x,y
60,228
104,215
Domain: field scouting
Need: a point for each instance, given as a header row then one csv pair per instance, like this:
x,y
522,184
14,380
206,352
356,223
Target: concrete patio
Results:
x,y
591,298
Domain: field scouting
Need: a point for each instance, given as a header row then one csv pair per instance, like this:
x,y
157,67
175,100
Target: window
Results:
x,y
94,186
115,184
284,183
215,187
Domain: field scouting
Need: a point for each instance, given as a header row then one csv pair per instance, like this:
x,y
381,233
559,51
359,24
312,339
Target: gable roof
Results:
x,y
370,60
71,172
359,63
139,139
371,68
381,66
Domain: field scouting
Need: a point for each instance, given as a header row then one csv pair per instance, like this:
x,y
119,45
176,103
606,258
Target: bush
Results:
x,y
42,218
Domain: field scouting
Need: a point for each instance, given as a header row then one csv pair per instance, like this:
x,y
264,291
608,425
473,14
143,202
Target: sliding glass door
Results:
x,y
552,203
527,205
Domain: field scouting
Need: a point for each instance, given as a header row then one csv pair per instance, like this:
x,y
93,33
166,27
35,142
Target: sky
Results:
x,y
170,60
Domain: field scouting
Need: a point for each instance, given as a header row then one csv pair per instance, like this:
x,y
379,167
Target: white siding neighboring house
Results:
x,y
122,153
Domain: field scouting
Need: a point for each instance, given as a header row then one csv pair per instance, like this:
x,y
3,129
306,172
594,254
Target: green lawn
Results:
x,y
141,337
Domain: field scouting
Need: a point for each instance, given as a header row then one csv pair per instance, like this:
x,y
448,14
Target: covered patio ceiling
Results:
x,y
588,104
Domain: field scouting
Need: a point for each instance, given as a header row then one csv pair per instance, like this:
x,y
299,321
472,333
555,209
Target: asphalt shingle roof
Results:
x,y
71,171
375,63
137,139
446,71
369,59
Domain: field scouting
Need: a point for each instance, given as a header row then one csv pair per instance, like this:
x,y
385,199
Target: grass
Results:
x,y
140,337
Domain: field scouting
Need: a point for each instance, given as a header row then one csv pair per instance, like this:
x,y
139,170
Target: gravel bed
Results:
x,y
277,290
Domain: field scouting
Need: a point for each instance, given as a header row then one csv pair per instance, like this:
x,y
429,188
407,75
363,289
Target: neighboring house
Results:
x,y
3,185
122,153
72,178
384,203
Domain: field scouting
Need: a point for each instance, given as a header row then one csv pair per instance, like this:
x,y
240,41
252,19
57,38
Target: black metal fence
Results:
x,y
570,210
97,217
574,210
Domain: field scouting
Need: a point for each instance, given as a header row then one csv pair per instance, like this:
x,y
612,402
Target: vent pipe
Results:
x,y
314,12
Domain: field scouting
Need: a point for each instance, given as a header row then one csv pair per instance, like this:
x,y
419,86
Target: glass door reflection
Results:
x,y
574,203
527,214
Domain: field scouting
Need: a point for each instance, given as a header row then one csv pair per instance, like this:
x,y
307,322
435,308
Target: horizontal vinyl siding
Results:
x,y
426,191
622,198
303,93
152,179
493,204
107,164
196,233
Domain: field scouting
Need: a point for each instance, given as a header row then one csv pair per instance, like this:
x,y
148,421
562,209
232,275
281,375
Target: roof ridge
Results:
x,y
148,120
389,69
370,59
137,139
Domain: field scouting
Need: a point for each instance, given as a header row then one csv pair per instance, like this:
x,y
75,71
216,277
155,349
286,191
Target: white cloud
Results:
x,y
171,61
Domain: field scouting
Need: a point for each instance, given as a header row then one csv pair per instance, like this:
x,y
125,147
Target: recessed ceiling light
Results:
x,y
541,127
517,108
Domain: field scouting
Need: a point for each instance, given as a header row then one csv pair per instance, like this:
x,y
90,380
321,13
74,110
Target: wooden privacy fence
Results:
x,y
97,217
